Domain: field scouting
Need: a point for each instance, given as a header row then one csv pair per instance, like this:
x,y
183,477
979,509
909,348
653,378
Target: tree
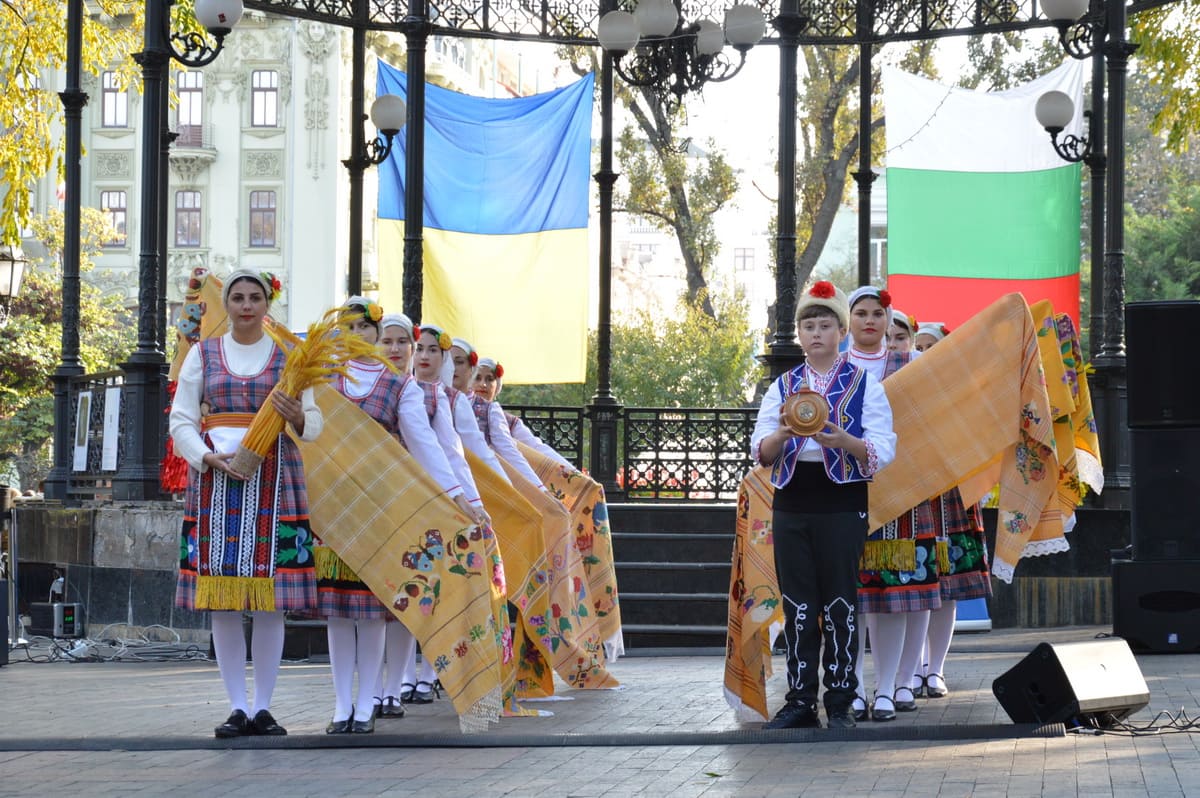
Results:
x,y
30,343
671,184
686,360
1169,51
1166,249
32,42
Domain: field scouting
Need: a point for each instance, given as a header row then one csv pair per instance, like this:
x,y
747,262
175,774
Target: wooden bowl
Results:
x,y
806,412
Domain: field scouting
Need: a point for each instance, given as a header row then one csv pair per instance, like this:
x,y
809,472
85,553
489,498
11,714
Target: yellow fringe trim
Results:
x,y
330,566
889,555
256,594
943,557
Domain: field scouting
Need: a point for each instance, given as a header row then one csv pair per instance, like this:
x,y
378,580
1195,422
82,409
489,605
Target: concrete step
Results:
x,y
674,609
680,577
673,547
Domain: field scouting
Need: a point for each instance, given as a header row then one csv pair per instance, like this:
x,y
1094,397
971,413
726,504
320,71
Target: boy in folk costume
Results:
x,y
819,510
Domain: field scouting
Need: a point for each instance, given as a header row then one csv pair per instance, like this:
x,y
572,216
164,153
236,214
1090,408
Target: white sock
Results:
x,y
941,632
860,664
887,640
341,664
915,628
369,652
426,674
229,642
401,648
266,647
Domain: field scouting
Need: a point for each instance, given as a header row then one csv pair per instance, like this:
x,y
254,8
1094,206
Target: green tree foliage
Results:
x,y
33,41
687,360
1163,249
1169,51
30,344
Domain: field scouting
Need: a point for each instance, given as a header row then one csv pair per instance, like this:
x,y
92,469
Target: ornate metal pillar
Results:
x,y
604,408
355,166
1098,170
783,351
416,29
73,100
865,176
142,402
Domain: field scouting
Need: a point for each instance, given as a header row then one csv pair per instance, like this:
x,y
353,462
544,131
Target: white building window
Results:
x,y
114,102
187,218
190,88
264,98
114,204
262,218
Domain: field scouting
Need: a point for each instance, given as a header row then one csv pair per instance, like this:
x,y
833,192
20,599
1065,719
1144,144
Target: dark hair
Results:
x,y
361,310
818,312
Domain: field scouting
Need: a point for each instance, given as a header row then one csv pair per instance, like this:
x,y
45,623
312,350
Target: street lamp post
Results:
x,y
1084,30
145,371
12,270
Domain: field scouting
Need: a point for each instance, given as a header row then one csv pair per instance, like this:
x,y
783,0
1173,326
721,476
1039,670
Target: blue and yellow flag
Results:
x,y
506,216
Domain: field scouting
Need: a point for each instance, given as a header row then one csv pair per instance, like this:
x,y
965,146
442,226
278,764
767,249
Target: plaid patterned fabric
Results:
x,y
960,530
386,518
481,407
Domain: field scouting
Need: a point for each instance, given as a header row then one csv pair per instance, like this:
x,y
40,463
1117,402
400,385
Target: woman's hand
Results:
x,y
474,512
220,462
833,437
291,409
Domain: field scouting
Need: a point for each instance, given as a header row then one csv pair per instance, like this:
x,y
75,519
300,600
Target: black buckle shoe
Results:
x,y
882,714
391,707
265,725
338,727
236,725
420,696
901,704
363,726
841,718
794,716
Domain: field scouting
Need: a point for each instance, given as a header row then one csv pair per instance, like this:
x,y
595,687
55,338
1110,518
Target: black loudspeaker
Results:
x,y
1162,392
4,622
1165,499
1097,683
1156,605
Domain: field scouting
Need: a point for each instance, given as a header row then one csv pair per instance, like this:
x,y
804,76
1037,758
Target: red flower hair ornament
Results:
x,y
823,289
885,299
499,371
473,359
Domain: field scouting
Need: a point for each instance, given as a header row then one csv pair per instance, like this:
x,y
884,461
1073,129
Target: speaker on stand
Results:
x,y
1156,593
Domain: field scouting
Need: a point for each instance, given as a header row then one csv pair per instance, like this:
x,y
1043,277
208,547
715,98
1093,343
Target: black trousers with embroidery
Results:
x,y
816,560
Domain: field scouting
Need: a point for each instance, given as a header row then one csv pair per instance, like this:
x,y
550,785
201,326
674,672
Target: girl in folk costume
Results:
x,y
397,682
246,541
898,578
432,364
516,427
492,422
962,558
819,506
928,335
355,619
901,332
458,392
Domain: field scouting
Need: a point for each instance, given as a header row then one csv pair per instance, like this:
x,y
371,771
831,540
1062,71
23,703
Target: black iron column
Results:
x,y
416,28
142,401
73,100
1098,169
166,138
864,176
1110,364
355,165
604,408
783,351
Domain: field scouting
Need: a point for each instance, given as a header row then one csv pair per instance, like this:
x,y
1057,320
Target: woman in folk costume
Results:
x,y
396,683
464,359
246,541
492,421
928,335
355,618
898,580
962,558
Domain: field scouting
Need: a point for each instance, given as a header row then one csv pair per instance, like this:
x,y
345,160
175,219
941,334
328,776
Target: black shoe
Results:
x,y
794,716
265,725
406,692
938,689
842,718
338,727
881,714
363,726
237,725
901,704
391,707
857,712
420,696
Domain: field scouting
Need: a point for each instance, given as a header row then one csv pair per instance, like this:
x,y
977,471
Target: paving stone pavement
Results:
x,y
82,729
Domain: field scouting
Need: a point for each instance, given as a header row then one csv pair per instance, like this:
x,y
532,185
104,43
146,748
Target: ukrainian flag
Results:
x,y
506,216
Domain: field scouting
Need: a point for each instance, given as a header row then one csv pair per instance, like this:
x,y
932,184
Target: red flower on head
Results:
x,y
416,331
912,322
473,358
499,371
823,289
885,299
945,330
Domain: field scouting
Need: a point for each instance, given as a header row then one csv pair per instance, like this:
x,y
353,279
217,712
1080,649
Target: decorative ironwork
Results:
x,y
94,482
685,453
1073,148
559,427
1080,38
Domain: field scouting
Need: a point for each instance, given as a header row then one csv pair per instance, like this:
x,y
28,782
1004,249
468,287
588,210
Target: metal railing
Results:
x,y
664,454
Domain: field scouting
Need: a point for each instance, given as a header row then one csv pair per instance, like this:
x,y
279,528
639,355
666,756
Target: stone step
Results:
x,y
692,517
662,636
673,547
674,609
682,577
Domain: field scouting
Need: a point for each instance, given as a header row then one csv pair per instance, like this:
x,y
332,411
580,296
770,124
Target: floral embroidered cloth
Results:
x,y
584,499
391,523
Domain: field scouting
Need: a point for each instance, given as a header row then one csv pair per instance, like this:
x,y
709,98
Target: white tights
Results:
x,y
916,626
941,632
266,649
887,641
348,649
401,648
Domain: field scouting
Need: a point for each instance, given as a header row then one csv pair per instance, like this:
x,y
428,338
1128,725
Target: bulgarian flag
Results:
x,y
979,204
